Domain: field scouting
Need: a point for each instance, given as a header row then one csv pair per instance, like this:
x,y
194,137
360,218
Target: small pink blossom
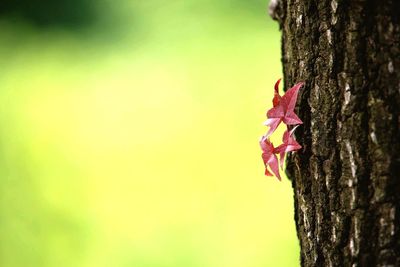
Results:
x,y
289,145
283,110
269,157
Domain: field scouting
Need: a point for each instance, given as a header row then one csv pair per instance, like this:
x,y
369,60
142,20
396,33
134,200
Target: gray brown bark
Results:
x,y
346,179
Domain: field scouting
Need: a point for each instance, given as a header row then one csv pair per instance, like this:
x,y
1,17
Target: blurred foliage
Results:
x,y
132,140
75,14
67,13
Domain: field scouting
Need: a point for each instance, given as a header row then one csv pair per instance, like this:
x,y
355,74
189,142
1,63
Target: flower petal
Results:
x,y
267,173
276,112
290,97
282,158
291,118
277,98
274,165
273,124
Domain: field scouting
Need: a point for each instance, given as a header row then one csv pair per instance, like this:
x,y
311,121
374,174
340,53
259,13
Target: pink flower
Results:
x,y
289,144
283,109
269,157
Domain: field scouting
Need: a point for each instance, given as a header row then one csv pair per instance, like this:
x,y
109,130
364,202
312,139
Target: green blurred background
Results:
x,y
129,135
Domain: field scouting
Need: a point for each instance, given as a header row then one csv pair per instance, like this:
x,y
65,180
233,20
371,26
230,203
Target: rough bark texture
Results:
x,y
346,179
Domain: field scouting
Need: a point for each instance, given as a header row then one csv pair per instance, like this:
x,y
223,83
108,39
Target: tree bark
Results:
x,y
346,179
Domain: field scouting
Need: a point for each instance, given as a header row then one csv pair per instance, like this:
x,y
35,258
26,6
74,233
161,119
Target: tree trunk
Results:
x,y
346,179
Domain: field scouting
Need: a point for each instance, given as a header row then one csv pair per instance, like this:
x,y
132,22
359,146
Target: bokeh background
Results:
x,y
129,135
